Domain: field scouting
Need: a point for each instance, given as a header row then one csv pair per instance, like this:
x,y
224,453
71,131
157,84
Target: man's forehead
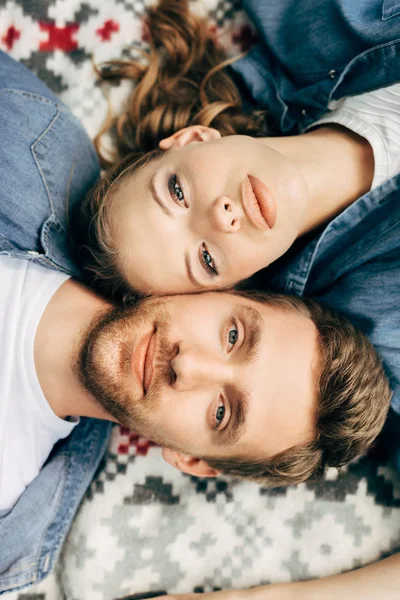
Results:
x,y
267,308
227,299
231,297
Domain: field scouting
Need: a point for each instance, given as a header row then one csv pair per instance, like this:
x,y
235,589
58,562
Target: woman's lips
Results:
x,y
140,358
258,203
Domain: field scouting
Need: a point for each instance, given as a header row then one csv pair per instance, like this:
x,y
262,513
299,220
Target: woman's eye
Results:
x,y
233,335
220,413
176,190
207,261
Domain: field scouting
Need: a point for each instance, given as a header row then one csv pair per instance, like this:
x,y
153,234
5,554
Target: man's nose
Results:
x,y
195,367
225,215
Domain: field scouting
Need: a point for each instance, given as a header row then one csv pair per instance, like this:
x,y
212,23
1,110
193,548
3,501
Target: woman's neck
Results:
x,y
337,166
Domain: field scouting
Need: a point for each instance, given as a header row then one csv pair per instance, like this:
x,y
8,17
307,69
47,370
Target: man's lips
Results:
x,y
258,203
142,360
149,362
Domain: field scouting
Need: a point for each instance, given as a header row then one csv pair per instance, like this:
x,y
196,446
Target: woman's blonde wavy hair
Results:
x,y
184,82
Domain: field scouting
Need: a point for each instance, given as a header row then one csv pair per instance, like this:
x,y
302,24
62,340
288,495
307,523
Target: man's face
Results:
x,y
213,374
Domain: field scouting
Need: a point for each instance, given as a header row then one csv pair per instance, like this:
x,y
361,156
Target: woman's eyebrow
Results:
x,y
189,271
159,201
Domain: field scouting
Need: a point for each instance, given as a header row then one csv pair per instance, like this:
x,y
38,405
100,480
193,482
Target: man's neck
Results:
x,y
59,334
337,166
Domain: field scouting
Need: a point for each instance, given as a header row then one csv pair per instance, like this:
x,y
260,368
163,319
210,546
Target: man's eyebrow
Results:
x,y
237,423
158,199
254,329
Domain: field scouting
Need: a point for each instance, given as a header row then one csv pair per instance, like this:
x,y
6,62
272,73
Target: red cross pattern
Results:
x,y
59,38
105,32
10,37
134,441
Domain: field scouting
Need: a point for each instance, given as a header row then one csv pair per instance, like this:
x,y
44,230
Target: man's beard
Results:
x,y
104,364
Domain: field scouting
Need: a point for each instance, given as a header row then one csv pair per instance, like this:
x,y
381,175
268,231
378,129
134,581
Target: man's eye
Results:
x,y
207,260
220,413
176,191
233,335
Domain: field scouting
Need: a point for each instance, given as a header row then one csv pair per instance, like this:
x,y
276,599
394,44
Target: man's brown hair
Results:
x,y
353,398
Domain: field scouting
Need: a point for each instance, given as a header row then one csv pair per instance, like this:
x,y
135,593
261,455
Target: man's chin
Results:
x,y
125,404
105,369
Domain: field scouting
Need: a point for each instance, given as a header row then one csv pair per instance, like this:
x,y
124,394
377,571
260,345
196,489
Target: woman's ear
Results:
x,y
189,464
188,135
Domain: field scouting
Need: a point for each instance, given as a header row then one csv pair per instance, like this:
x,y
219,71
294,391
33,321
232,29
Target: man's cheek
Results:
x,y
178,431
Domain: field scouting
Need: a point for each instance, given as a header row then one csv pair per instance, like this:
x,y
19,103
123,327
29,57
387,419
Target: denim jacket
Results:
x,y
311,52
47,164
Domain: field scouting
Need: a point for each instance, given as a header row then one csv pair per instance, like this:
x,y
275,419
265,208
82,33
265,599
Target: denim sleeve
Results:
x,y
33,531
14,75
47,165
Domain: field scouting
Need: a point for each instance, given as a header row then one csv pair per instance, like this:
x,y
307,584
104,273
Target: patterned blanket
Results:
x,y
142,525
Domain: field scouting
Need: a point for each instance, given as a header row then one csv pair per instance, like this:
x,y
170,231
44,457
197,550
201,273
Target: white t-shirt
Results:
x,y
376,117
28,426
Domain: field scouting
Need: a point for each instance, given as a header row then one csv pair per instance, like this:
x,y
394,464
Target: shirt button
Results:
x,y
332,73
33,253
304,112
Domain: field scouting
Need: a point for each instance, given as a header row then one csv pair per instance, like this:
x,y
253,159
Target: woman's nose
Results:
x,y
225,214
195,367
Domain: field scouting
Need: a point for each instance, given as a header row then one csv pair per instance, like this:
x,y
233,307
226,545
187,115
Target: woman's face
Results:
x,y
208,213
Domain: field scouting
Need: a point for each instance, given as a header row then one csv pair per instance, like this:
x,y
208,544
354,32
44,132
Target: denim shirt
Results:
x,y
47,164
311,52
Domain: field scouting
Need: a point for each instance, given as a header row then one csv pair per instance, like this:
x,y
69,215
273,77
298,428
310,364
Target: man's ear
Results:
x,y
194,133
189,464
